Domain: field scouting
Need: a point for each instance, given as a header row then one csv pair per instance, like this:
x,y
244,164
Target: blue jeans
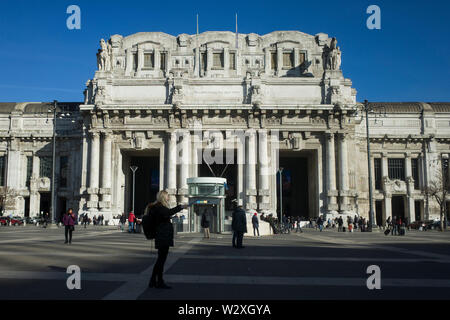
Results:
x,y
255,228
130,226
320,227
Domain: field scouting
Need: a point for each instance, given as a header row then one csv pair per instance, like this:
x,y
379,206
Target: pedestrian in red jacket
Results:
x,y
131,220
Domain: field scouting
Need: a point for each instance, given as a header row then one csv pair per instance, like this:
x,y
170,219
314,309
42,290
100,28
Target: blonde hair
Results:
x,y
160,198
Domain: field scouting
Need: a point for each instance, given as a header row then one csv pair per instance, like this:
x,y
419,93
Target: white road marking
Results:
x,y
133,288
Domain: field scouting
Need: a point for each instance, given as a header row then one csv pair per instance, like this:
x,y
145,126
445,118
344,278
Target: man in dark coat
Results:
x,y
340,224
239,226
255,224
205,223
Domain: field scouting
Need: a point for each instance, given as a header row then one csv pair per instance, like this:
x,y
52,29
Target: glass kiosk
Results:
x,y
208,196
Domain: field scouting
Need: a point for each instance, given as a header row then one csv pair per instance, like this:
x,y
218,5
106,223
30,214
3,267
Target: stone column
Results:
x,y
140,62
297,60
106,173
240,146
384,166
197,63
157,60
343,172
209,60
34,194
387,207
410,208
94,172
264,171
331,174
196,151
226,60
14,166
251,170
275,165
172,163
267,62
184,172
13,179
168,61
238,61
279,61
129,63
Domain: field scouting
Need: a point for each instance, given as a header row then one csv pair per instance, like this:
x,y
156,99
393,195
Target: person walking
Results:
x,y
320,223
239,227
69,225
205,224
394,226
299,228
131,220
85,220
123,220
255,224
340,224
164,235
286,224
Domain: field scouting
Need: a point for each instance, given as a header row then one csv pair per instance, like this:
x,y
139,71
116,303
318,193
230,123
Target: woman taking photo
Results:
x,y
69,224
164,234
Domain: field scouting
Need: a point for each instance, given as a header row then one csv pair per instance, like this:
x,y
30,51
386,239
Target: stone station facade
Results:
x,y
264,99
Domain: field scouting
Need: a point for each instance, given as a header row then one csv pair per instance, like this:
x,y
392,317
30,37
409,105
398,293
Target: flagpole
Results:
x,y
237,37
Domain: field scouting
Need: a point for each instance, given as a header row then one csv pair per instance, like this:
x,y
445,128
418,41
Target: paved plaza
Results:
x,y
310,265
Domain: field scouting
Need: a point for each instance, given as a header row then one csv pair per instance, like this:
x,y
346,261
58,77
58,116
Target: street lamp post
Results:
x,y
53,204
134,169
281,196
444,187
367,108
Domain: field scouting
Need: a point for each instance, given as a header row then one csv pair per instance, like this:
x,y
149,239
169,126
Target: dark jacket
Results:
x,y
205,221
164,229
69,220
239,222
255,221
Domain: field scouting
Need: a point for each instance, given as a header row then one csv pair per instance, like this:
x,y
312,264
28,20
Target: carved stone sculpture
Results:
x,y
333,56
104,56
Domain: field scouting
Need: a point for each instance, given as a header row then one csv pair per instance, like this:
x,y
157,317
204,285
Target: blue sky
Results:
x,y
407,60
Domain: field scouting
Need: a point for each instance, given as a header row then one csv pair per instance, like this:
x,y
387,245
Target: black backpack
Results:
x,y
149,224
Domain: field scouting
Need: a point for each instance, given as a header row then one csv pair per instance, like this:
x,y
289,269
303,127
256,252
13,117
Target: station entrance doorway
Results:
x,y
299,184
209,208
208,198
147,179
